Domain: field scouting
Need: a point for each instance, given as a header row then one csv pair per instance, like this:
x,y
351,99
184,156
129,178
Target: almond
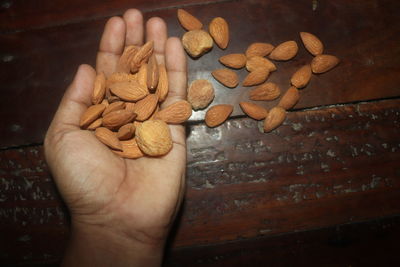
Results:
x,y
99,88
145,107
217,114
115,119
175,113
219,31
265,91
301,77
200,94
114,106
105,102
91,114
227,77
123,64
255,77
108,138
142,75
275,117
188,21
197,42
120,77
96,124
154,138
141,56
290,98
113,98
129,106
129,91
259,49
126,131
284,51
155,112
162,87
254,111
236,61
312,43
257,62
152,73
323,63
130,149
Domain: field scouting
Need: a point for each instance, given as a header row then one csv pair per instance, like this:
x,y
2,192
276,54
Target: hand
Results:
x,y
129,205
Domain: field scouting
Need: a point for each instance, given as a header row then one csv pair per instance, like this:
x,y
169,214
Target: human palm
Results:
x,y
136,197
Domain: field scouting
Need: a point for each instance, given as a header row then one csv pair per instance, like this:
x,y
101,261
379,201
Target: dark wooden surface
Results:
x,y
252,198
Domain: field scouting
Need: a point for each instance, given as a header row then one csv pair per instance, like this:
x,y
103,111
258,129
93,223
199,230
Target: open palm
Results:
x,y
136,197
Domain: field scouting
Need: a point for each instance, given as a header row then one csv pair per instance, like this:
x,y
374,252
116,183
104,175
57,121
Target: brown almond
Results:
x,y
155,112
96,124
154,138
129,106
120,77
142,75
108,138
217,114
265,92
91,114
200,94
255,77
284,51
219,31
227,77
113,98
312,43
175,113
257,62
99,88
145,107
129,91
162,87
152,73
141,56
290,98
113,107
126,131
123,64
301,77
130,150
236,61
105,102
188,21
275,118
259,49
116,119
323,63
197,42
253,110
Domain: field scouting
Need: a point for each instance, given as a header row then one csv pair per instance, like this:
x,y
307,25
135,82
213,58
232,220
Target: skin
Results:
x,y
121,209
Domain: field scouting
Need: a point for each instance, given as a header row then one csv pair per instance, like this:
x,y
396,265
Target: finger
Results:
x,y
111,45
134,27
75,100
156,30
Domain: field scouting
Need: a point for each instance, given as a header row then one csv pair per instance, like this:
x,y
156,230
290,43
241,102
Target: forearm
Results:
x,y
98,246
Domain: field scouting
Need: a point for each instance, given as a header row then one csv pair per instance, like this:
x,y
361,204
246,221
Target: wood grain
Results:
x,y
37,65
322,168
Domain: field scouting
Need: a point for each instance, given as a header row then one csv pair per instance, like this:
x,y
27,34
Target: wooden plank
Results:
x,y
19,15
37,65
322,168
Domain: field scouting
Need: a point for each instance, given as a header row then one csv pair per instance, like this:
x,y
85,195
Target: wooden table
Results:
x,y
323,189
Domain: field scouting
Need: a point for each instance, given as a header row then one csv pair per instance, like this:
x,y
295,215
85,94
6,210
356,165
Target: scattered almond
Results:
x,y
275,117
126,131
129,91
176,113
259,49
253,110
219,31
154,138
217,114
236,61
284,51
108,138
152,73
312,43
197,42
266,91
188,21
142,75
99,89
323,63
91,114
301,77
145,107
257,62
200,94
227,77
96,124
116,119
123,64
114,106
162,87
141,56
120,77
290,98
255,77
130,149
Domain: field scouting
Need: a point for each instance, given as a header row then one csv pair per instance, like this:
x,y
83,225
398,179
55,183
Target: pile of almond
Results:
x,y
197,41
126,114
